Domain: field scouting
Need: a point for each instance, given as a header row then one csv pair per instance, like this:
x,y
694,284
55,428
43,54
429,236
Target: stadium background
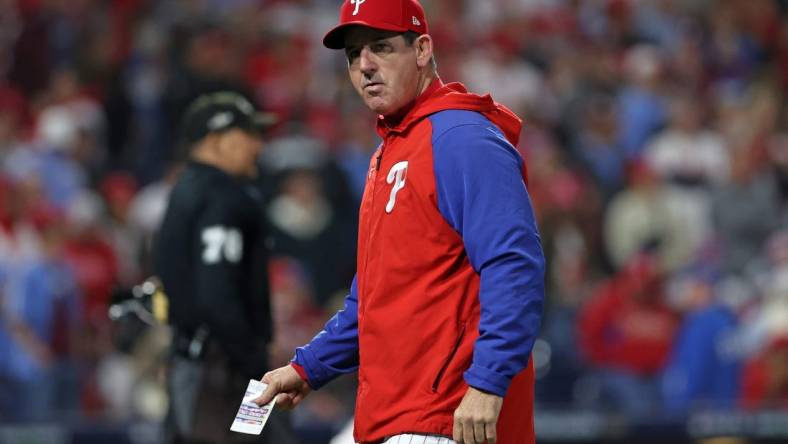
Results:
x,y
656,139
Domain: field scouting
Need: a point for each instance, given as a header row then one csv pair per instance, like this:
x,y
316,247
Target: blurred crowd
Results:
x,y
656,140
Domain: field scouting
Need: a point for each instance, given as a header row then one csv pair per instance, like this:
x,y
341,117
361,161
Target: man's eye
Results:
x,y
353,55
379,47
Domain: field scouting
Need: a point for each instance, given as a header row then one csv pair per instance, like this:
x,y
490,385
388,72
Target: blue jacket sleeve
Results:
x,y
482,195
333,351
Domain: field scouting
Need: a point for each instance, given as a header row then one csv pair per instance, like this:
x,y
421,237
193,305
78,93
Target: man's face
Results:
x,y
240,150
383,69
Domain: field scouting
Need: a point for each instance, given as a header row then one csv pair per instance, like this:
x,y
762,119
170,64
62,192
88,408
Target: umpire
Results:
x,y
211,257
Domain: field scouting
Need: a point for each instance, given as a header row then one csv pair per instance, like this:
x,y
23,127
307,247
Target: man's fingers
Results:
x,y
289,400
457,431
492,433
467,433
478,432
285,401
264,397
267,395
297,399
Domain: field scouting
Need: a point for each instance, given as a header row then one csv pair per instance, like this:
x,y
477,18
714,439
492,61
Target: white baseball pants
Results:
x,y
418,439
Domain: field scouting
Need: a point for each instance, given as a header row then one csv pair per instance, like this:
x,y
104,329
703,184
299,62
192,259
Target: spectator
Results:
x,y
686,153
771,319
704,369
12,119
641,105
649,213
146,212
745,210
51,158
39,317
305,226
625,332
765,383
19,242
311,212
91,256
118,191
597,145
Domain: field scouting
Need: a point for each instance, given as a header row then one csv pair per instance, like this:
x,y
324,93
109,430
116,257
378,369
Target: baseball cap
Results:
x,y
388,15
221,111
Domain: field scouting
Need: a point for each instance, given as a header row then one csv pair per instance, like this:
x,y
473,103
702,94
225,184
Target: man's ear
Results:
x,y
423,45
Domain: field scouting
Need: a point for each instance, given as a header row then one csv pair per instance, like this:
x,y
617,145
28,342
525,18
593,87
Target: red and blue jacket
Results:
x,y
450,281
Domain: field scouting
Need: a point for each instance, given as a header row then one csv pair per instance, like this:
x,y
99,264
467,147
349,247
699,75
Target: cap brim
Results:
x,y
335,39
264,121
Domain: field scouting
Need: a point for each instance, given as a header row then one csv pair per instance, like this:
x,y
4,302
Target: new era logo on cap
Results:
x,y
388,15
220,121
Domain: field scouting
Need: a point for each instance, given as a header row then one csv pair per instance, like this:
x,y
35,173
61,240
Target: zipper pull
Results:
x,y
379,156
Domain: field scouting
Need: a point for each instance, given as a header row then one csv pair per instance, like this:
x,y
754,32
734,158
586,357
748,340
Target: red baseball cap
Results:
x,y
388,15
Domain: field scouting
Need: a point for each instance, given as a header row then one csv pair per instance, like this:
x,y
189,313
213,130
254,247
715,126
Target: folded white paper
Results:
x,y
250,418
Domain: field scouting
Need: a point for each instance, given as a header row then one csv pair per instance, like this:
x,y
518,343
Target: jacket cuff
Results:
x,y
300,370
317,373
487,380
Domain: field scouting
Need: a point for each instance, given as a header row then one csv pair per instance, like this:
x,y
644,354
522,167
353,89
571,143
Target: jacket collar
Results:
x,y
439,97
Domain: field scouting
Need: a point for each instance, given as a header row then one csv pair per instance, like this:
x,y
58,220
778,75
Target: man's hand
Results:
x,y
287,384
476,418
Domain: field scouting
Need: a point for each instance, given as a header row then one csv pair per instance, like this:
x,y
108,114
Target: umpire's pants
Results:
x,y
205,396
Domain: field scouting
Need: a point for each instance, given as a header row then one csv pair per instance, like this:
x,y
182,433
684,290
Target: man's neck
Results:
x,y
424,89
206,156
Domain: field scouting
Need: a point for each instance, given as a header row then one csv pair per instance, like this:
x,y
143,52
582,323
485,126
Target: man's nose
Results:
x,y
367,64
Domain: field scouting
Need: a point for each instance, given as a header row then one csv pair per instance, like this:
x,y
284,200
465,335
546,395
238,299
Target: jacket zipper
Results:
x,y
448,360
378,159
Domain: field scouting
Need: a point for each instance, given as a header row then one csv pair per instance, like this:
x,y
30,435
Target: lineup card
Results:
x,y
250,418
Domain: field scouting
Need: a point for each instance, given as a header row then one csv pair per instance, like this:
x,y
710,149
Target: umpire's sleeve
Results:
x,y
334,351
219,275
482,195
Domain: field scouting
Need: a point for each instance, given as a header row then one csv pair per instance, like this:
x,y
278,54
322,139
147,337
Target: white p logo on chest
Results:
x,y
397,176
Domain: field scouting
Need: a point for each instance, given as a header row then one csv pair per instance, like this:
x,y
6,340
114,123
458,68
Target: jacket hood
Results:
x,y
454,96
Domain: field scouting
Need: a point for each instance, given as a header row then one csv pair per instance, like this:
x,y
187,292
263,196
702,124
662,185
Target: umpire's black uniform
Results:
x,y
211,257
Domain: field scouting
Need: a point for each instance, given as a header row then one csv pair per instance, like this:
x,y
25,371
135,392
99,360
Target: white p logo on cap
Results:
x,y
358,5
